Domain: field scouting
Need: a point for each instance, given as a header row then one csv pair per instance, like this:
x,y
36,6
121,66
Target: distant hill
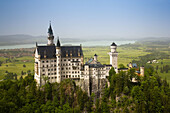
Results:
x,y
28,39
155,40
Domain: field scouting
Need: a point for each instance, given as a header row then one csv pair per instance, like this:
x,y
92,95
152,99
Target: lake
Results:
x,y
84,44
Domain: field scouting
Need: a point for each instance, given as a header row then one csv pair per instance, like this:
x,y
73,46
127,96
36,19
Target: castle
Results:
x,y
55,63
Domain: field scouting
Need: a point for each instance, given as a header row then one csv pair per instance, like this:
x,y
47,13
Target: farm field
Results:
x,y
126,53
125,56
17,66
164,74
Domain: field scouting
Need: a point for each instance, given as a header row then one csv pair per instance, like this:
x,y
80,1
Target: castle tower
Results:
x,y
142,71
113,56
58,57
95,57
50,36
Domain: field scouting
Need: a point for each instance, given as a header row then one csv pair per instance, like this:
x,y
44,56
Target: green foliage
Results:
x,y
121,66
112,72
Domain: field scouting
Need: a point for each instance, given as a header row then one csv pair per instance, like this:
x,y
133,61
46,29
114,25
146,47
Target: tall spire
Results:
x,y
50,35
50,31
58,42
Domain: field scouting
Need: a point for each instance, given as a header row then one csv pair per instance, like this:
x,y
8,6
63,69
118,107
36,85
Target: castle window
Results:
x,y
55,73
63,64
42,61
47,61
51,77
78,71
43,70
78,75
48,73
55,77
47,65
43,74
48,77
54,65
72,71
51,65
43,65
51,69
64,59
54,60
51,60
62,68
55,69
75,75
68,59
48,69
69,76
77,59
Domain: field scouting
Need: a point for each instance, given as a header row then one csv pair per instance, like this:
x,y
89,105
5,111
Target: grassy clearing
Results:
x,y
163,75
125,54
17,67
2,59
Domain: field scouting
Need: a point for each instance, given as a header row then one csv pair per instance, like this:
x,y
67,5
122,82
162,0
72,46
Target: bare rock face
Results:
x,y
93,85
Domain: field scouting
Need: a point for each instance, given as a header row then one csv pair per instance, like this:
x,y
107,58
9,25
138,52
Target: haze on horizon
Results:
x,y
86,18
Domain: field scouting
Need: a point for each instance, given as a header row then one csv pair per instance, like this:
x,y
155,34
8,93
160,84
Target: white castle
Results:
x,y
56,63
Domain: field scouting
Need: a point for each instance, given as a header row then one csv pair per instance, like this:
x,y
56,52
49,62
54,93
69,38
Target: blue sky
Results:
x,y
86,18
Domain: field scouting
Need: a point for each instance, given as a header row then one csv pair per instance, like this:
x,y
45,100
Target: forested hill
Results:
x,y
29,39
150,94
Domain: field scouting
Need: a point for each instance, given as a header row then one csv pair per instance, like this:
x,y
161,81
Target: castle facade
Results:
x,y
54,62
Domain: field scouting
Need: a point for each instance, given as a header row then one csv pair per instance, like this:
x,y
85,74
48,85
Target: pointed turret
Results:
x,y
58,42
95,57
50,31
36,44
50,36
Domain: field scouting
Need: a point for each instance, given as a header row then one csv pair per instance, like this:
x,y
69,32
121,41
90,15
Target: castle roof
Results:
x,y
96,65
113,44
93,64
50,51
74,50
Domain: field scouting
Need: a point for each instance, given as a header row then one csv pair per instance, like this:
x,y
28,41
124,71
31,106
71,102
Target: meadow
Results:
x,y
126,53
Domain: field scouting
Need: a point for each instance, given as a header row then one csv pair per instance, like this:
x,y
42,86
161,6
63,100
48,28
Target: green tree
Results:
x,y
121,66
112,72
